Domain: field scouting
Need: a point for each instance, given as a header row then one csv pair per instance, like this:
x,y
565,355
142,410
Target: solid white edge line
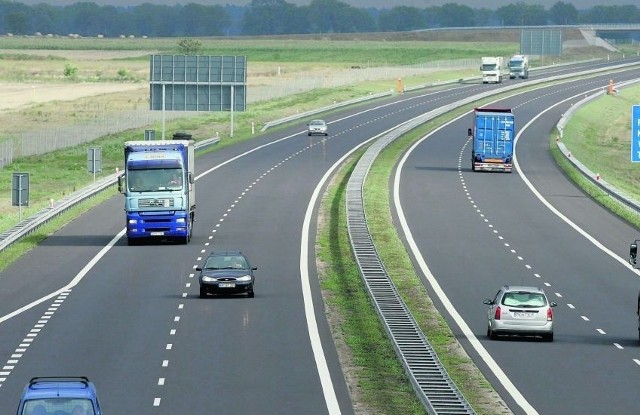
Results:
x,y
305,245
473,340
73,282
482,352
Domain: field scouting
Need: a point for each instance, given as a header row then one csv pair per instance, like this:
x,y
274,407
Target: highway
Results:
x,y
478,231
129,318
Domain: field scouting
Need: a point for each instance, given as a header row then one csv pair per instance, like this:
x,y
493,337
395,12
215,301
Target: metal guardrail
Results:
x,y
429,378
622,197
33,222
324,109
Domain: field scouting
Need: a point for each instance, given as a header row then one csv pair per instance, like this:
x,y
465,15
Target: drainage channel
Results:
x,y
432,383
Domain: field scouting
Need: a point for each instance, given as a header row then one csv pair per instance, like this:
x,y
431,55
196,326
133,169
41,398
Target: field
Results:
x,y
41,90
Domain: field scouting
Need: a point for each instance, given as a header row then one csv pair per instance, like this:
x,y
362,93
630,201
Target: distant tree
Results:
x,y
563,13
431,16
401,18
612,14
45,18
200,20
456,15
269,17
485,17
17,23
14,18
152,20
333,16
87,19
521,14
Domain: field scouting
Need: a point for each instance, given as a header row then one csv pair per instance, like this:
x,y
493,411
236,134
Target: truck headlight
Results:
x,y
181,220
133,221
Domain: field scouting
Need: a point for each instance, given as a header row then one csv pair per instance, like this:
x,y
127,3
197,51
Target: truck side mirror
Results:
x,y
121,181
633,252
191,179
469,132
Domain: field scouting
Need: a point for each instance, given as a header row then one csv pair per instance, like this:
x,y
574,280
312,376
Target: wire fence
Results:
x,y
30,143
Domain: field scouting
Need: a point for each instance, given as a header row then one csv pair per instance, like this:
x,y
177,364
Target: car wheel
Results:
x,y
491,334
547,337
250,294
203,293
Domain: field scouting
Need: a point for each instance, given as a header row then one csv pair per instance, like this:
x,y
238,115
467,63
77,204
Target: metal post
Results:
x,y
163,107
232,103
93,150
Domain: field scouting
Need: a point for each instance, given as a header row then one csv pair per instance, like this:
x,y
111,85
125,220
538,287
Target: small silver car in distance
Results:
x,y
520,310
318,127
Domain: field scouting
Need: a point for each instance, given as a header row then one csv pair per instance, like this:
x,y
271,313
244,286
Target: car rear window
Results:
x,y
524,299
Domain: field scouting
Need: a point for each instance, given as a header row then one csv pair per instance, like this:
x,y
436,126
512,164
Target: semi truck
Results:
x,y
491,68
493,133
519,67
159,189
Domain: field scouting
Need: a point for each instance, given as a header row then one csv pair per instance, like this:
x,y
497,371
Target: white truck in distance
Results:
x,y
491,69
519,67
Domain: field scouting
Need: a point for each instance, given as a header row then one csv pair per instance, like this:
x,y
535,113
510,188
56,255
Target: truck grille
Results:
x,y
152,202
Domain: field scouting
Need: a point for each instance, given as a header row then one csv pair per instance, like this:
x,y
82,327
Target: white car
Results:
x,y
520,310
317,127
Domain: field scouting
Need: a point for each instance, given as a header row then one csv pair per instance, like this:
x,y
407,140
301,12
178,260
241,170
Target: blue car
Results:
x,y
59,395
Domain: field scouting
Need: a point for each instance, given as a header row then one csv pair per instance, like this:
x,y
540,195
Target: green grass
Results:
x,y
599,135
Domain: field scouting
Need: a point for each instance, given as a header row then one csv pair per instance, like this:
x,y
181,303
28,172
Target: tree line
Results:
x,y
278,17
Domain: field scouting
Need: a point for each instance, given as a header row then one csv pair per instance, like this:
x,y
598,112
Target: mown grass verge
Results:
x,y
599,135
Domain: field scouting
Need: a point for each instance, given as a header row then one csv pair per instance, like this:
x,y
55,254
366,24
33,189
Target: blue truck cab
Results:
x,y
59,395
493,135
159,189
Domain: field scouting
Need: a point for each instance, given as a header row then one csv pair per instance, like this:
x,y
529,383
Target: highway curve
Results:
x,y
471,232
129,318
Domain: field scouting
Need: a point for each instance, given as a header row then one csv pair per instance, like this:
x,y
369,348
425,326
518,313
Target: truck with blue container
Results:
x,y
159,189
493,134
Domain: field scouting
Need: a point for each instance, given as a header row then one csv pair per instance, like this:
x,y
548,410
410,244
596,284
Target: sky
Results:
x,y
379,4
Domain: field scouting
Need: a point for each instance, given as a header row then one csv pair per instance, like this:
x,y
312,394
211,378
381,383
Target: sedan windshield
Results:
x,y
524,299
226,262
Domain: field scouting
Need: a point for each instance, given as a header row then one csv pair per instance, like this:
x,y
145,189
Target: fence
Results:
x,y
31,143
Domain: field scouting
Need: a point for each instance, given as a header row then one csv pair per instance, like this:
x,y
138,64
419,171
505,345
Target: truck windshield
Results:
x,y
153,180
515,64
54,406
489,67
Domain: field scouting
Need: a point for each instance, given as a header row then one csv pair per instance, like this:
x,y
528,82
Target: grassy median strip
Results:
x,y
367,352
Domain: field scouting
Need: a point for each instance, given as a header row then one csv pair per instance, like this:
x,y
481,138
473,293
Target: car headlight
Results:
x,y
244,278
209,279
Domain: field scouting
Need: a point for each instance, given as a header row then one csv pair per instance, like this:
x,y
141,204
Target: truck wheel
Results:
x,y
132,241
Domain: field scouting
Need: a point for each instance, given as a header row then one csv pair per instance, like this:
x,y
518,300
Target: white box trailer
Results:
x,y
492,69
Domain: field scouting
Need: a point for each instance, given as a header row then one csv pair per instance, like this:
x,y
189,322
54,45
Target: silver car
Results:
x,y
317,127
520,310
